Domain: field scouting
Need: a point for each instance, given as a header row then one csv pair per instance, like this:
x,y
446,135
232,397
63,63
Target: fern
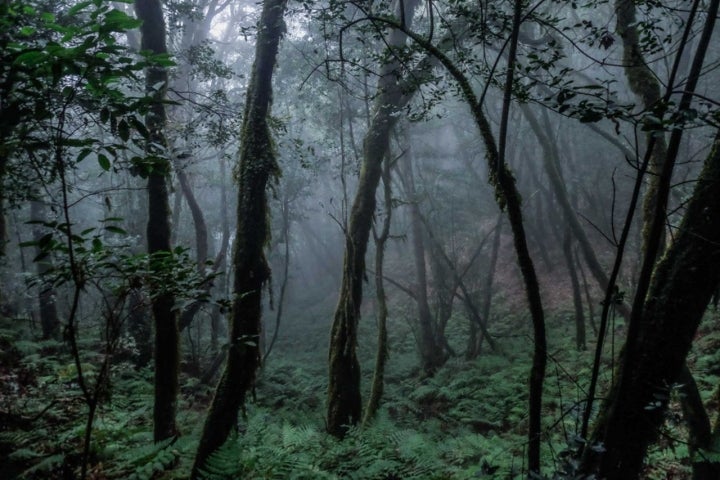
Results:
x,y
145,461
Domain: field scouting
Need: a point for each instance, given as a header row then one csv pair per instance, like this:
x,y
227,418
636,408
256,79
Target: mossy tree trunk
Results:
x,y
378,381
167,346
644,84
670,299
344,400
257,164
508,198
681,288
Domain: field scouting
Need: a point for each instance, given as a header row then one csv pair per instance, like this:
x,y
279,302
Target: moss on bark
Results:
x,y
681,288
256,166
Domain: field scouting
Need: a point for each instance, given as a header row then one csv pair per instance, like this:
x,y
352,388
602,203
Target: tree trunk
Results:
x,y
140,329
285,275
644,84
431,351
344,404
488,289
508,197
201,235
680,291
378,381
167,348
49,321
256,166
577,296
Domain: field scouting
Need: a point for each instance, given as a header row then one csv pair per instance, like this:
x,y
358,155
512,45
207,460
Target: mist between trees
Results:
x,y
368,240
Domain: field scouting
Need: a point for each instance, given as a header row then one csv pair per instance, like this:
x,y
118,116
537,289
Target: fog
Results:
x,y
547,170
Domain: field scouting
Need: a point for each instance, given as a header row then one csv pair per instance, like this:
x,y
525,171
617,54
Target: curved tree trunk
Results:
x,y
681,288
167,348
256,166
344,400
508,197
644,84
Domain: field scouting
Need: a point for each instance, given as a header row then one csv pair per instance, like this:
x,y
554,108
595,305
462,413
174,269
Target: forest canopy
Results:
x,y
373,240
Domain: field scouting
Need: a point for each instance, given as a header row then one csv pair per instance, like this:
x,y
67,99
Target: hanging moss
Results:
x,y
257,165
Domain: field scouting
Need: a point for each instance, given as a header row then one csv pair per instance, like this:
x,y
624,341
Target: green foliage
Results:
x,y
47,440
65,72
99,258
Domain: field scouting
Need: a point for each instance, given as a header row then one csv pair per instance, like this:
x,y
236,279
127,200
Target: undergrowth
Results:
x,y
468,421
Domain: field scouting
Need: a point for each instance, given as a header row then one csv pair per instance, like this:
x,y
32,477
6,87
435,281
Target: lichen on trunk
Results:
x,y
256,166
681,288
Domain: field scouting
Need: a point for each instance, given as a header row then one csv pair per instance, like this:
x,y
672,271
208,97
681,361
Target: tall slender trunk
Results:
x,y
3,223
285,275
508,197
378,381
431,352
49,321
167,346
489,279
344,400
256,166
577,296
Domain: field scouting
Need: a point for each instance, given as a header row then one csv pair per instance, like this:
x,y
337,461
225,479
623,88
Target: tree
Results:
x,y
378,381
157,168
682,285
49,321
344,406
669,302
508,197
257,165
432,354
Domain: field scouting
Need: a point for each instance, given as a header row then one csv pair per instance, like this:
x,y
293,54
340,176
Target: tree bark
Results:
x,y
644,84
167,347
256,166
577,296
378,381
680,291
49,321
3,223
286,221
508,197
489,279
431,351
344,398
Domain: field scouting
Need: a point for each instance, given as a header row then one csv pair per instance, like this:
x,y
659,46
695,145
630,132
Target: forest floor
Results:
x,y
468,421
